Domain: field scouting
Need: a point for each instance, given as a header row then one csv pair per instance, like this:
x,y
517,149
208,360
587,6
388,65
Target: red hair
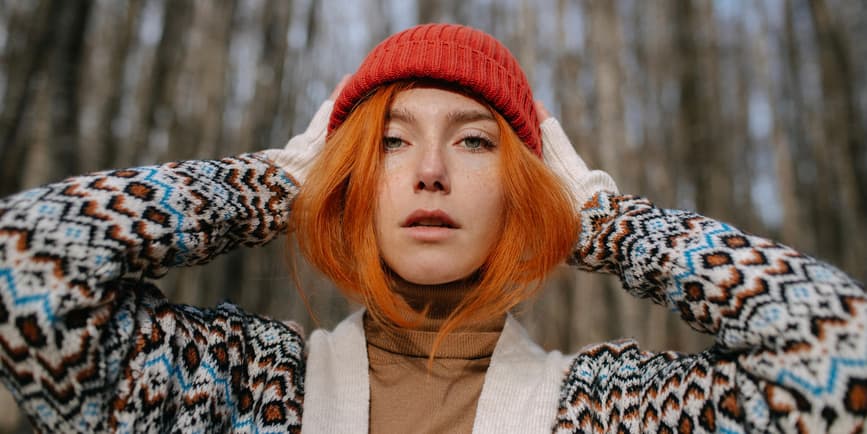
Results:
x,y
333,218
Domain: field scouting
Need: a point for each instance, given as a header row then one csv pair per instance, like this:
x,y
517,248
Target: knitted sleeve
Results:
x,y
790,352
86,345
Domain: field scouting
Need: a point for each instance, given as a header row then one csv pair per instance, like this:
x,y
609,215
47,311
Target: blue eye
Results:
x,y
392,143
476,143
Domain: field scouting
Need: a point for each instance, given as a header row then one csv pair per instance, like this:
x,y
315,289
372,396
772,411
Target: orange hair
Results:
x,y
333,218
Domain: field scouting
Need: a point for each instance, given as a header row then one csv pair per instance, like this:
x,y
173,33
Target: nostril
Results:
x,y
434,186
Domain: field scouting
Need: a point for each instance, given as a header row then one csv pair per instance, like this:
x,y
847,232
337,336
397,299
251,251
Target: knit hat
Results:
x,y
450,53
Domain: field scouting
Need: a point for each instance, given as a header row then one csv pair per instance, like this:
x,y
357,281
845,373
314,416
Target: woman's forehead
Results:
x,y
432,100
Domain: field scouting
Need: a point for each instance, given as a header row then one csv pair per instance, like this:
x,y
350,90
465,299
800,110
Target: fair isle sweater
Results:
x,y
88,344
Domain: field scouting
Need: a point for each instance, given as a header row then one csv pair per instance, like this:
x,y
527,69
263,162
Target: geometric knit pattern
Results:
x,y
790,352
88,345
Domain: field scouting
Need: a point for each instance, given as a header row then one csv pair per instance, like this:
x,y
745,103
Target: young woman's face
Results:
x,y
440,204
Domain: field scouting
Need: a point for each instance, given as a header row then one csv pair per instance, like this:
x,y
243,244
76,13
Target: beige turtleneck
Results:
x,y
407,397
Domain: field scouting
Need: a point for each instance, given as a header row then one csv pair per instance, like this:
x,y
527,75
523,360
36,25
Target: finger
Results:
x,y
339,87
543,112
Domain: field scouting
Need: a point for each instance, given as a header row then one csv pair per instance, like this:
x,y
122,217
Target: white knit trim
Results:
x,y
337,387
297,157
522,385
520,393
561,158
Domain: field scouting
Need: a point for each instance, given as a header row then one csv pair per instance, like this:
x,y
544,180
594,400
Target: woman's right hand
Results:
x,y
297,156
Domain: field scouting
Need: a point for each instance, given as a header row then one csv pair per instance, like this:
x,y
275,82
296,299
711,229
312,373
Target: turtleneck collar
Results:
x,y
473,341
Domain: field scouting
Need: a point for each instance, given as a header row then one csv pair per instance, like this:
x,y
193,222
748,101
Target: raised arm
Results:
x,y
79,329
791,346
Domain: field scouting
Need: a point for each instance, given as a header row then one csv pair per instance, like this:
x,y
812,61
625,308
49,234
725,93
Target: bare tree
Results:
x,y
689,102
844,141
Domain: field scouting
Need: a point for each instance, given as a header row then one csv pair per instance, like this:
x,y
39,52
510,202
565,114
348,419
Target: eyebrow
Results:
x,y
401,115
466,116
457,116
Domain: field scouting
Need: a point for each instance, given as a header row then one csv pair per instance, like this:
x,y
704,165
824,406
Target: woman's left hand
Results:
x,y
560,156
297,156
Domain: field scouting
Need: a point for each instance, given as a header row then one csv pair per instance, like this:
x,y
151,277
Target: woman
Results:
x,y
430,204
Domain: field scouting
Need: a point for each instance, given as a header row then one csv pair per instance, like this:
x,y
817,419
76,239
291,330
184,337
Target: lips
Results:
x,y
429,218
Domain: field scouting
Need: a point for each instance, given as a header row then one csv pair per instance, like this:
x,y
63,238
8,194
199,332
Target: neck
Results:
x,y
439,300
432,304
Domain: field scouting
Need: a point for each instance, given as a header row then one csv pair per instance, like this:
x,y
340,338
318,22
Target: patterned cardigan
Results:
x,y
87,344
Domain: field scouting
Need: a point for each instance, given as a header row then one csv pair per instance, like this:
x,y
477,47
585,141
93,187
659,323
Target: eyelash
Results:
x,y
389,139
486,144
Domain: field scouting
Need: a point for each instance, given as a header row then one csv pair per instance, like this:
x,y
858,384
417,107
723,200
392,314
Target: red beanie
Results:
x,y
455,54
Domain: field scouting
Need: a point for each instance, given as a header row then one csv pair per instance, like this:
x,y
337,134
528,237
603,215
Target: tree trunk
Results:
x,y
65,68
845,142
23,58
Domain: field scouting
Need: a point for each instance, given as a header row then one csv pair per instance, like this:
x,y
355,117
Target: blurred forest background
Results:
x,y
749,111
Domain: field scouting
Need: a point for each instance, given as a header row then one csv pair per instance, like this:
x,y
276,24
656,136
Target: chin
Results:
x,y
432,266
420,276
428,279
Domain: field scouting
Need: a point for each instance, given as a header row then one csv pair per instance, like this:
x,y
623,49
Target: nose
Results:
x,y
432,173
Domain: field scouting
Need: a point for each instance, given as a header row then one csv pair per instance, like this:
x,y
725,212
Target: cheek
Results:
x,y
384,209
494,218
487,203
387,195
486,186
393,176
388,207
391,164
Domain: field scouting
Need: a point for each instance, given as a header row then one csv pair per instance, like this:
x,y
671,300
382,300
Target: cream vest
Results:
x,y
520,393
